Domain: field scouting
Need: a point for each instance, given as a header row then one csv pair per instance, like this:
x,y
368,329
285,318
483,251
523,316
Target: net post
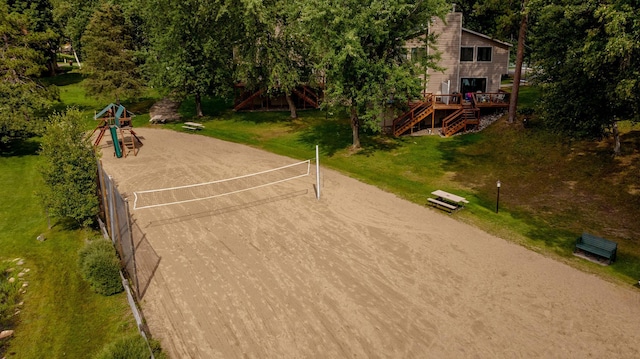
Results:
x,y
317,173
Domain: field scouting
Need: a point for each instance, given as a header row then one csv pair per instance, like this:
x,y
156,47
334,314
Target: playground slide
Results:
x,y
116,144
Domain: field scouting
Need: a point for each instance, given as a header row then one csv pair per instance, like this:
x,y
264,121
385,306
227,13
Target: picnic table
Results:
x,y
440,194
447,201
193,126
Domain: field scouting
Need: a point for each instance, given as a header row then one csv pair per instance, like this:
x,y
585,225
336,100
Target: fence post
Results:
x,y
133,249
104,198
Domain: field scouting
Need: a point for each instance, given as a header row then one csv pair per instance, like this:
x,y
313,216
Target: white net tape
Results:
x,y
219,188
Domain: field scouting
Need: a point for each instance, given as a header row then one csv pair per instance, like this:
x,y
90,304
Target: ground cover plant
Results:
x,y
553,188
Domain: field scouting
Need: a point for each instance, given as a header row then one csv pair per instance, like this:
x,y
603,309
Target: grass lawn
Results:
x,y
61,316
552,190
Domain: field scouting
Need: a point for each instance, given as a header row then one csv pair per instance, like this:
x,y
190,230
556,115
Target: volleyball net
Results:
x,y
219,188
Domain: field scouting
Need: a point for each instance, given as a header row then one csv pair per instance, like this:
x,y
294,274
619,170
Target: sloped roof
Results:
x,y
487,37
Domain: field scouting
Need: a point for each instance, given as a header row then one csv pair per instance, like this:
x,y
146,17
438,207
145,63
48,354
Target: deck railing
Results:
x,y
490,98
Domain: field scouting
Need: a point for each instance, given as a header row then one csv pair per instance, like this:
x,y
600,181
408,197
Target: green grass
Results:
x,y
61,316
552,189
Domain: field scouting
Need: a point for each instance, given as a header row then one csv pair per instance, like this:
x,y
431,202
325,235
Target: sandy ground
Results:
x,y
274,273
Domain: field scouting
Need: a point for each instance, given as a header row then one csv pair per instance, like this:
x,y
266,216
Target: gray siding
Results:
x,y
451,37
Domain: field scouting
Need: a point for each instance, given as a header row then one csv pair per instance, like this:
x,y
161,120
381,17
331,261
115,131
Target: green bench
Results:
x,y
598,246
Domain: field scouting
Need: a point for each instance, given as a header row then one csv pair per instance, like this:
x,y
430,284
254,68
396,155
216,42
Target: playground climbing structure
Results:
x,y
117,121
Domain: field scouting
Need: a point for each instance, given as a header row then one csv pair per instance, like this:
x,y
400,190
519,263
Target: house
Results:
x,y
473,65
472,61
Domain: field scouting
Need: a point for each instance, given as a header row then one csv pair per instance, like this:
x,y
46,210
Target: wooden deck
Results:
x,y
464,111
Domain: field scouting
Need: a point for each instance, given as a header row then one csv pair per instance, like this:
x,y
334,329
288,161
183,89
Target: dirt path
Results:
x,y
274,273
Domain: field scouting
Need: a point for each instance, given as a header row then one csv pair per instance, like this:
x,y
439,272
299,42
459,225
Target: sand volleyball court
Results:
x,y
274,273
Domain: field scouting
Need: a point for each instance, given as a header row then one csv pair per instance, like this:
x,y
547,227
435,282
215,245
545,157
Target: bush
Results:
x,y
100,266
132,347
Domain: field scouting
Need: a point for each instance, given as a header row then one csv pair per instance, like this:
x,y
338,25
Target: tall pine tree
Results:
x,y
24,98
110,58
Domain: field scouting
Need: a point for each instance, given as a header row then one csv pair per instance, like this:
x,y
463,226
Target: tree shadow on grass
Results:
x,y
65,79
372,143
19,148
211,107
260,117
331,135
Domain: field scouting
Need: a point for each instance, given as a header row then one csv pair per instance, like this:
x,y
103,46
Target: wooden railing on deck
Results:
x,y
491,99
417,113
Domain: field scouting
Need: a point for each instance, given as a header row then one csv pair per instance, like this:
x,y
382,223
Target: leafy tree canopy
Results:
x,y
69,169
191,45
589,56
359,46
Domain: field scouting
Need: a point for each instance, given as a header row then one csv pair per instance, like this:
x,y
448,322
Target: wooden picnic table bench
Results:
x,y
194,124
597,245
442,205
449,197
447,201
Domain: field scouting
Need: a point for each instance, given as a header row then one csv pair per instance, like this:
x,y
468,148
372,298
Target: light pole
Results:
x,y
498,184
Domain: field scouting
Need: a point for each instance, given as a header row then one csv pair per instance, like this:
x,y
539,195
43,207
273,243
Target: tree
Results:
x,y
191,46
69,169
515,90
43,33
73,16
110,62
275,53
496,18
359,46
589,58
24,98
504,20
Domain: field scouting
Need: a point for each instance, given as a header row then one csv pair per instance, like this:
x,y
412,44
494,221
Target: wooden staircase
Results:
x,y
407,120
309,96
459,120
239,106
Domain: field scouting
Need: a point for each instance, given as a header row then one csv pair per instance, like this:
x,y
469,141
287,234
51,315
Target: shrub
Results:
x,y
131,347
100,266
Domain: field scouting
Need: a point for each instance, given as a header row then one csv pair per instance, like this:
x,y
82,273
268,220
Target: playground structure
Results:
x,y
116,119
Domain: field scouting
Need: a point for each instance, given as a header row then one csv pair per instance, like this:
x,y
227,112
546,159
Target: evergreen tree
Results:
x,y
72,16
110,59
43,33
24,98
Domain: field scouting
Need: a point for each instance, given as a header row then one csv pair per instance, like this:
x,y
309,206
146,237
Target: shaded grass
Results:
x,y
61,316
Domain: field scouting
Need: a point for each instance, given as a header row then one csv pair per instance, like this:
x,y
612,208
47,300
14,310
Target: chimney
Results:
x,y
453,5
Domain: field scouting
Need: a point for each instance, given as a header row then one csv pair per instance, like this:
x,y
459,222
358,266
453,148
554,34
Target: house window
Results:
x,y
418,54
484,54
466,54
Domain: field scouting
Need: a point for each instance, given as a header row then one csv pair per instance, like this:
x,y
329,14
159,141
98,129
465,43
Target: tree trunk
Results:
x,y
75,55
199,105
616,138
355,127
292,106
513,103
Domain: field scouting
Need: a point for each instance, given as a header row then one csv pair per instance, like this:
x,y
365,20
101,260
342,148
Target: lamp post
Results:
x,y
498,184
